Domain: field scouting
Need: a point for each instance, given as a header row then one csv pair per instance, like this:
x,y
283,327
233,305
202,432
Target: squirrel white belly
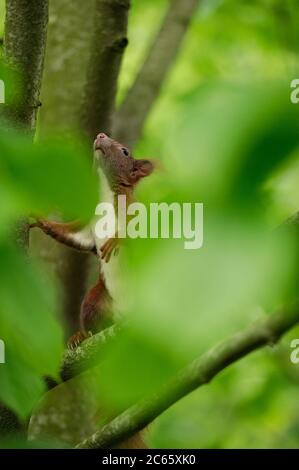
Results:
x,y
111,270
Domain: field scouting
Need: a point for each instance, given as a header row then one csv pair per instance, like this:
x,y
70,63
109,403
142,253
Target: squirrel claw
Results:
x,y
77,339
110,247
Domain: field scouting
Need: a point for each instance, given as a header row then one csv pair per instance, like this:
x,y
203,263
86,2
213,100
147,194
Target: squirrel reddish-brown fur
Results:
x,y
122,173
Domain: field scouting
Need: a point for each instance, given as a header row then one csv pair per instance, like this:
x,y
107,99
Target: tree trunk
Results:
x,y
24,47
109,42
83,58
93,68
67,57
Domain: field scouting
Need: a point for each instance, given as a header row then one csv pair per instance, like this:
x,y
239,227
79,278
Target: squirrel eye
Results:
x,y
125,151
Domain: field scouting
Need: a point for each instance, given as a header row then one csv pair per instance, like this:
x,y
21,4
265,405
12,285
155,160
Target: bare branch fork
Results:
x,y
200,372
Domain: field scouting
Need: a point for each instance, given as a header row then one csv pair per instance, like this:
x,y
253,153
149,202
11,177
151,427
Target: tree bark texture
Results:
x,y
24,48
109,43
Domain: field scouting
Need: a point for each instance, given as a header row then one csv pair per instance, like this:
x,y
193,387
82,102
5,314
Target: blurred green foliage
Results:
x,y
35,178
42,176
186,301
226,132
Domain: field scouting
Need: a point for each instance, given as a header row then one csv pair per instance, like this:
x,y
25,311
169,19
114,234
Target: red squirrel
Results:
x,y
119,173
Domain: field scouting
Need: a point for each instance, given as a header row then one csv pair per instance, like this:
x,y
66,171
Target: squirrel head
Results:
x,y
120,167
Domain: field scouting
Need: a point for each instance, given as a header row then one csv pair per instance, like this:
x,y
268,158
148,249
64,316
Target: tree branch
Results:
x,y
200,372
108,45
131,115
86,355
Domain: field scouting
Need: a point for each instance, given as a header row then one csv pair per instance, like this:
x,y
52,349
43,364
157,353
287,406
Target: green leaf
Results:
x,y
32,335
183,302
50,175
27,321
20,387
231,138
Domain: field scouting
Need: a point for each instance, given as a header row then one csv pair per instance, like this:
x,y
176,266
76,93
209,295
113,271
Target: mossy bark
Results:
x,y
24,48
109,43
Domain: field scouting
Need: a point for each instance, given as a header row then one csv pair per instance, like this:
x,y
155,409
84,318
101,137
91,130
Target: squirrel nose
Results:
x,y
101,135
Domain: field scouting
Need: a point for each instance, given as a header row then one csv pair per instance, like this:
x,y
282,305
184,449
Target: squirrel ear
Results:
x,y
141,169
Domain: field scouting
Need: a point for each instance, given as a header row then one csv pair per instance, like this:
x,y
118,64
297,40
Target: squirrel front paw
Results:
x,y
43,224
